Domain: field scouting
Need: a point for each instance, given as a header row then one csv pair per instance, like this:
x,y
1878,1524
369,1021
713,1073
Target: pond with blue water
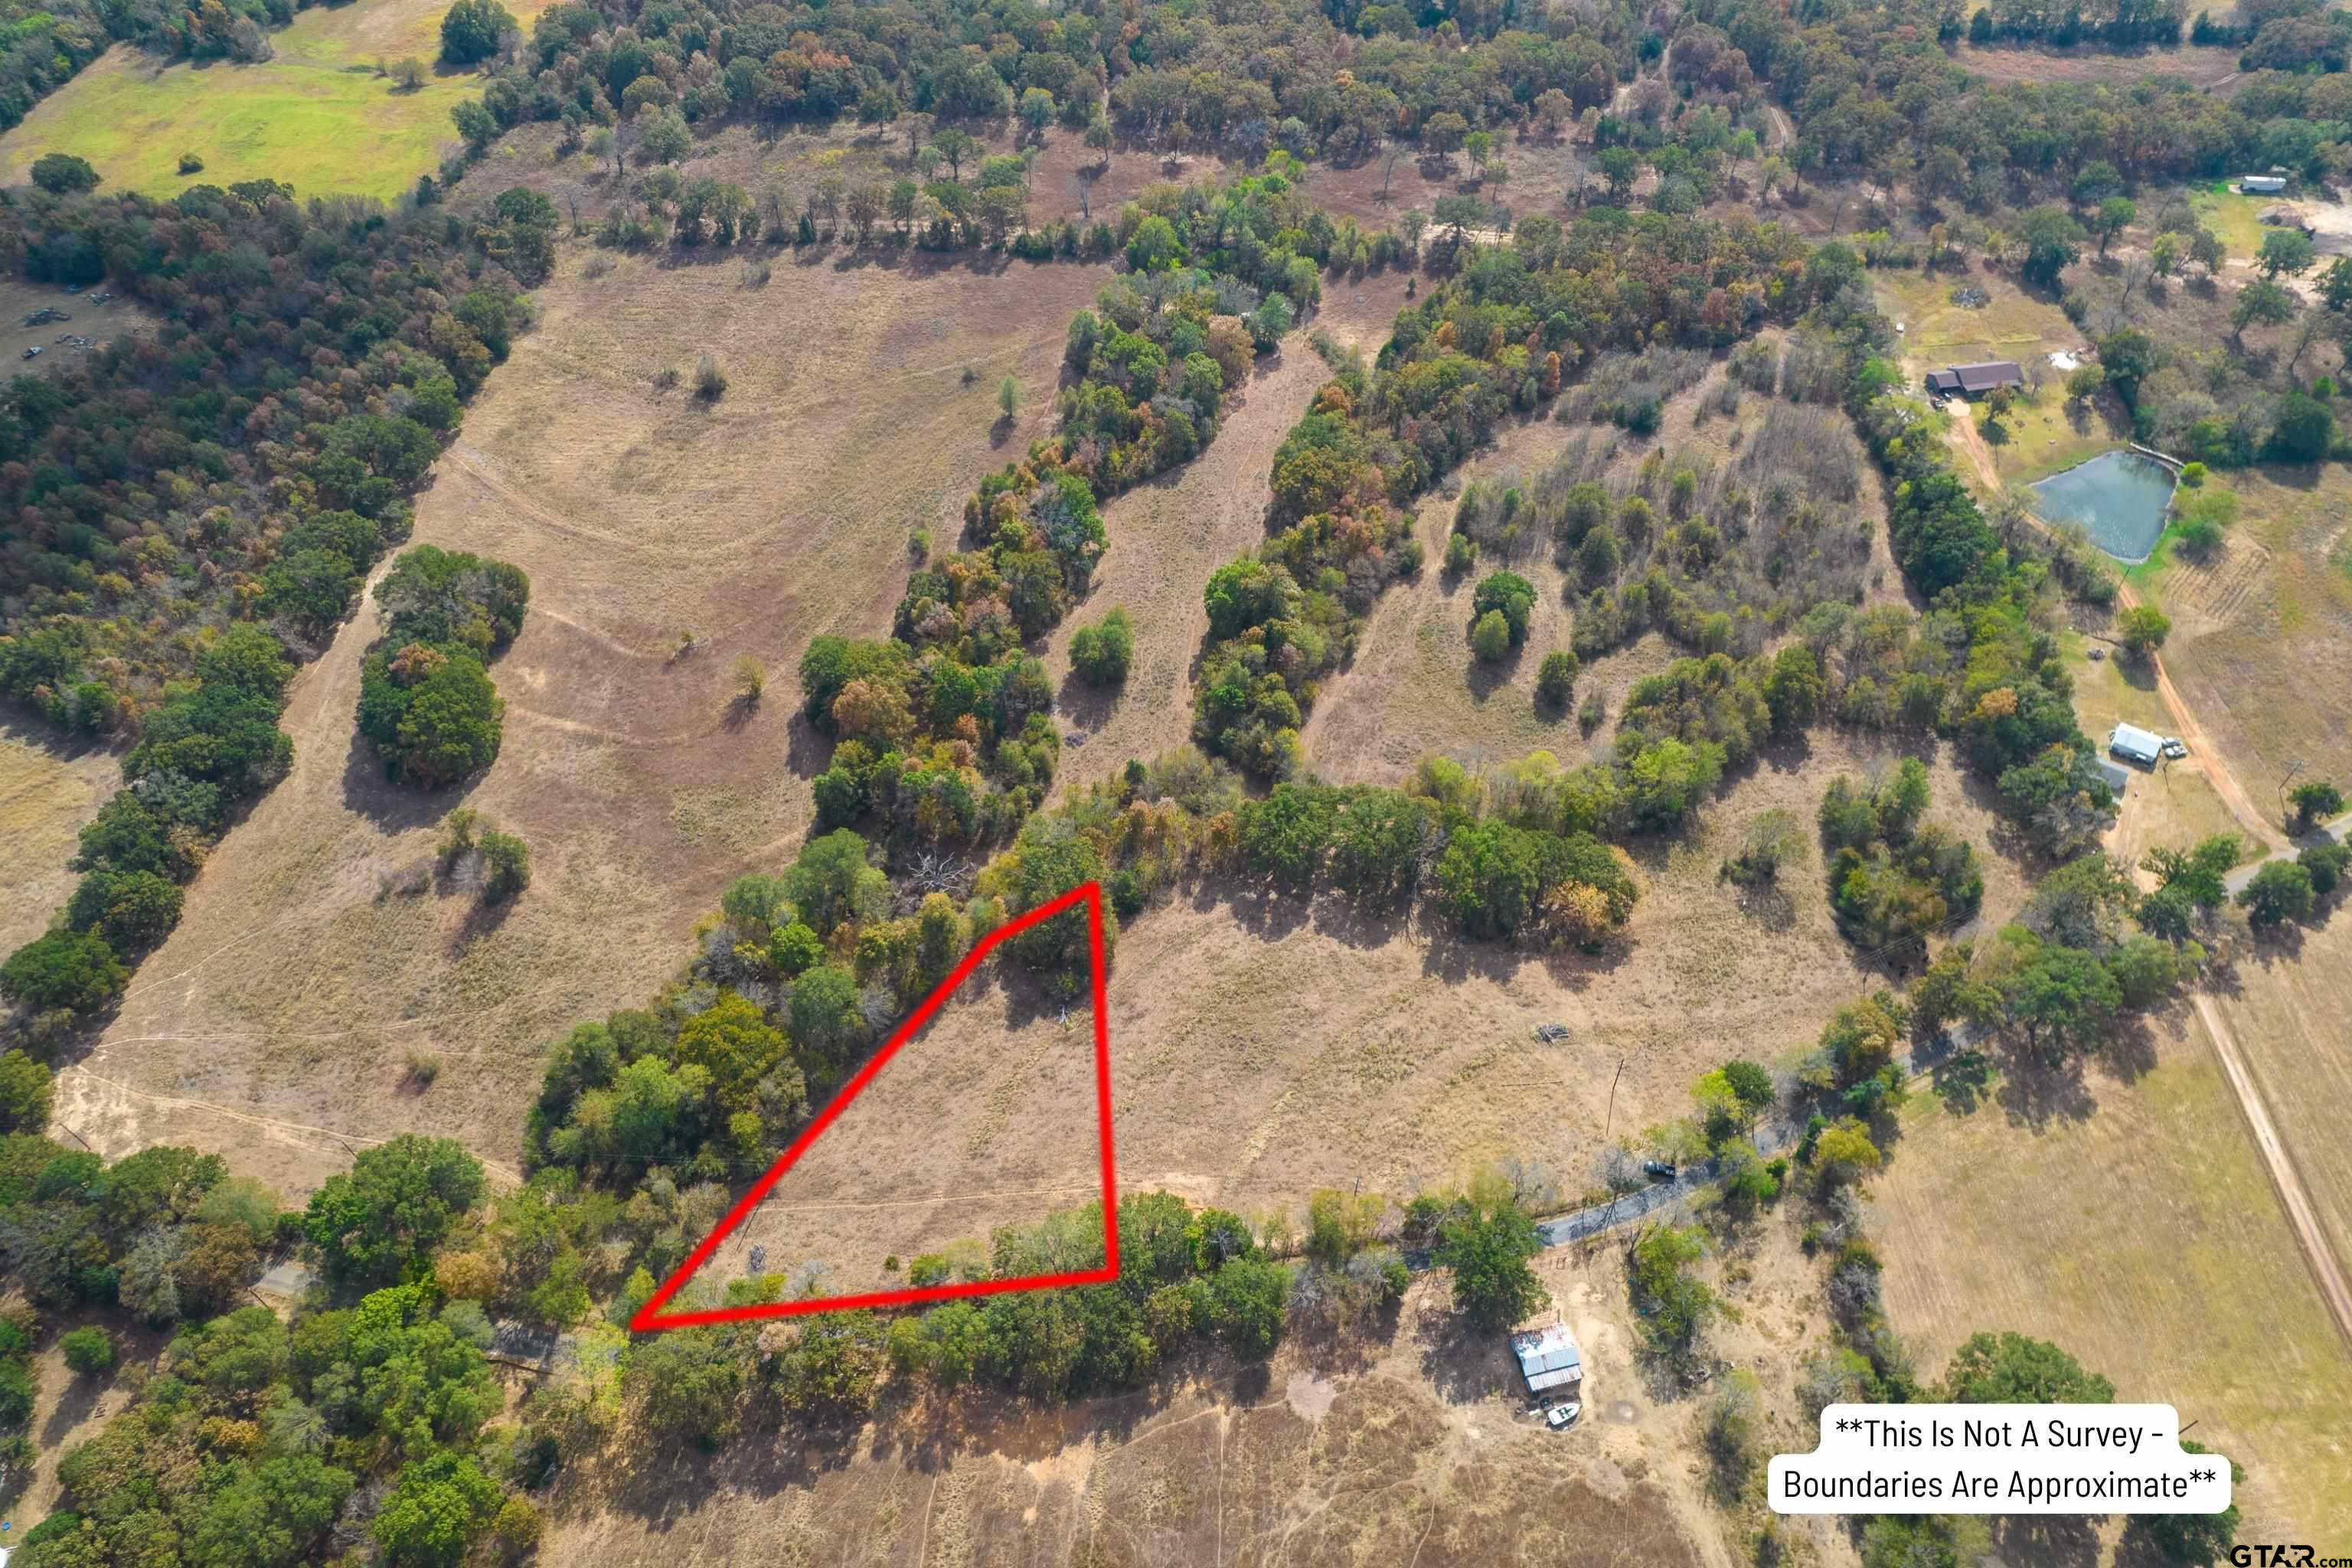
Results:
x,y
2120,497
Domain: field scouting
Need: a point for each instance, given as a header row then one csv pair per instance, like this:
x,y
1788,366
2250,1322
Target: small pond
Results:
x,y
2120,497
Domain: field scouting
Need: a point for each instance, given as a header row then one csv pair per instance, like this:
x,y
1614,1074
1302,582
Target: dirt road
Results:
x,y
2327,1271
1970,444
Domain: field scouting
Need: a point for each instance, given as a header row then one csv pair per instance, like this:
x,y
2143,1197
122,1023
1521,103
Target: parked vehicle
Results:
x,y
1560,1416
1658,1170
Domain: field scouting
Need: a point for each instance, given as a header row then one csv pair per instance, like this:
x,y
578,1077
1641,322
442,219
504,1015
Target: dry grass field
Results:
x,y
2209,66
1261,1049
47,796
300,982
2262,641
280,1021
2142,1235
2287,1011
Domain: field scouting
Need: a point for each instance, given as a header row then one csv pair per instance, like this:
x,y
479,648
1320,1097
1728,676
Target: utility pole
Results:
x,y
2293,768
1607,1121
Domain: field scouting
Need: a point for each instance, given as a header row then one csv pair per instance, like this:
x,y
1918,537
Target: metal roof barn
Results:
x,y
1970,379
1549,1358
2135,744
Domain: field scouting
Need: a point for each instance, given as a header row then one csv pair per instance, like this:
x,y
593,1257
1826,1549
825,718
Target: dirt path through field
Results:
x,y
2208,755
2327,1271
94,1104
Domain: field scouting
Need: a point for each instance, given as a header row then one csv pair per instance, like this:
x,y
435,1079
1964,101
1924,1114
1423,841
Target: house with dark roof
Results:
x,y
1974,380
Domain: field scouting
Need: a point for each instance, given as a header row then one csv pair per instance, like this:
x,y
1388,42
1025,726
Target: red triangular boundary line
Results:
x,y
651,1318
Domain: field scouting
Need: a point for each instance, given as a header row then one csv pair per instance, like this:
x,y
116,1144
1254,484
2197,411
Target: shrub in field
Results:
x,y
1101,653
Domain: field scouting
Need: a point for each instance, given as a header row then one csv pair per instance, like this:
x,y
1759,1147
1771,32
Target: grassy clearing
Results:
x,y
2143,1236
2234,219
45,798
2012,324
2048,433
2204,64
317,116
2044,432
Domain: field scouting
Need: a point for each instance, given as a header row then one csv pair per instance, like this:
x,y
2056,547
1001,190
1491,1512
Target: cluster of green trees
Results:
x,y
170,490
2123,22
1498,336
2192,891
931,63
1884,98
248,1440
1184,1277
202,755
138,533
474,30
1216,275
796,975
1893,876
18,1388
2069,972
1508,863
1101,653
162,1233
2223,412
43,52
957,743
426,703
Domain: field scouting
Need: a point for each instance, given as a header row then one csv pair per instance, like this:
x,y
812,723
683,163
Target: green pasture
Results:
x,y
317,116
